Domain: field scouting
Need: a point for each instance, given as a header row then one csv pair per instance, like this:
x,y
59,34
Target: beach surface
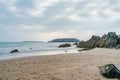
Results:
x,y
78,66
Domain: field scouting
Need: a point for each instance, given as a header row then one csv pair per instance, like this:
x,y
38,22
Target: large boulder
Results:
x,y
110,71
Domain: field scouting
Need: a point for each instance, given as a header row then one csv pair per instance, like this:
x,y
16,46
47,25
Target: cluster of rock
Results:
x,y
14,51
64,45
109,40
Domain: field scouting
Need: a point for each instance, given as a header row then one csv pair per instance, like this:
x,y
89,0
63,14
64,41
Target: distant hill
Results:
x,y
65,40
32,41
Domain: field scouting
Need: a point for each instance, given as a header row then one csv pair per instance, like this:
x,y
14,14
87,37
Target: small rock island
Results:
x,y
65,40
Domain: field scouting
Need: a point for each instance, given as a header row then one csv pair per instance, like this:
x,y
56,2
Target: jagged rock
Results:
x,y
118,46
111,40
110,71
82,44
101,43
14,51
91,43
118,41
108,41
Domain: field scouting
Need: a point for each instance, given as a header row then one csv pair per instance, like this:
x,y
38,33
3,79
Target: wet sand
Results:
x,y
77,66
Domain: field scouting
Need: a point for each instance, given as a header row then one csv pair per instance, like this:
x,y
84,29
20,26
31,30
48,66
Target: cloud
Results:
x,y
48,19
40,7
31,27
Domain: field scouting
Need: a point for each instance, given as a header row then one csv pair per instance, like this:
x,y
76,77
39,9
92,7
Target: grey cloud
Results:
x,y
98,22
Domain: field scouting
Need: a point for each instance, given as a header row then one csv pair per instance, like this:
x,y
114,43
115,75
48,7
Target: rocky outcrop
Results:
x,y
101,43
118,46
118,42
109,40
91,43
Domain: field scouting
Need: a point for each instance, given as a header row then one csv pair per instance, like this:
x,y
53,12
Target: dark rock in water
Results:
x,y
91,43
64,45
14,51
30,48
110,71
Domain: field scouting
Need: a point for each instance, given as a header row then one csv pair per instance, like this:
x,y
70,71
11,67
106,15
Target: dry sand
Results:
x,y
77,66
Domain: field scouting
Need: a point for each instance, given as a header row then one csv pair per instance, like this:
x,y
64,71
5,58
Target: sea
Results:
x,y
27,49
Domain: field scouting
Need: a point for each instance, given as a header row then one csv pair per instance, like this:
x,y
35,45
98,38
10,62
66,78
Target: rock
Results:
x,y
14,51
118,41
75,43
118,46
85,49
64,45
101,43
111,40
108,41
30,48
91,43
110,71
82,44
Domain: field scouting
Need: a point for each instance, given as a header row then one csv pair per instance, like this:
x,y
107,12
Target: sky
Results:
x,y
44,20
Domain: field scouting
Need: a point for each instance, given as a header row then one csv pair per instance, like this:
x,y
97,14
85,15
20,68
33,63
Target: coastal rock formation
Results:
x,y
108,41
118,46
91,43
118,42
111,40
101,43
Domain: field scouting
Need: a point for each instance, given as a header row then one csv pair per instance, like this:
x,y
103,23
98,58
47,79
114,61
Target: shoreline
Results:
x,y
70,66
56,54
24,55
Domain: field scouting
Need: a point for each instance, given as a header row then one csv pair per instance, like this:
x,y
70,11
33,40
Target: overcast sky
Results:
x,y
48,19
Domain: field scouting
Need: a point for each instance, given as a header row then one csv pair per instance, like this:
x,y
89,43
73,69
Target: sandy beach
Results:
x,y
77,66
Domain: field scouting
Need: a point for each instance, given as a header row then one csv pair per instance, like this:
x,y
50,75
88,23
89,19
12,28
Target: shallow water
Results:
x,y
39,48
